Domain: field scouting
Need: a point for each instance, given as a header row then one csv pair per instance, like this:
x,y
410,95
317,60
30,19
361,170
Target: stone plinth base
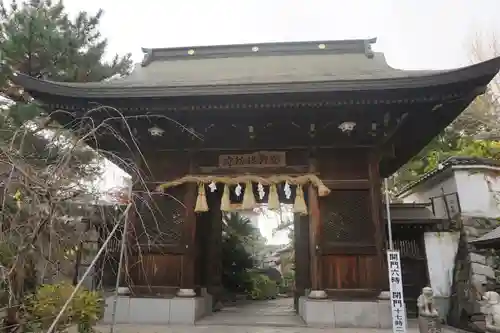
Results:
x,y
344,314
157,311
429,324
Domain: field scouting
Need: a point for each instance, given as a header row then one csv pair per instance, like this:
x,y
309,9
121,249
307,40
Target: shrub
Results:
x,y
262,287
84,310
288,283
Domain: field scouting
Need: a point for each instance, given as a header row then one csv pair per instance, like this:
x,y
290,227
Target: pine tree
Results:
x,y
39,39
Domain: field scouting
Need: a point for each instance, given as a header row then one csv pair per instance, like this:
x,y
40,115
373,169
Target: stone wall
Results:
x,y
482,273
482,262
465,308
473,274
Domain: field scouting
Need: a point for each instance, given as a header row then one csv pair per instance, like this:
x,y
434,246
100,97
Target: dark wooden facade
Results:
x,y
345,259
291,97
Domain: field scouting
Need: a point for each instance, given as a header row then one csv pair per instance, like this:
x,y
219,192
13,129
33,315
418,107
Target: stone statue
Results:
x,y
492,311
428,316
425,303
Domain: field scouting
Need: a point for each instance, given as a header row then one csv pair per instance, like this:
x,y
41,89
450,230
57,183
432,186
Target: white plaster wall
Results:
x,y
479,193
425,193
441,249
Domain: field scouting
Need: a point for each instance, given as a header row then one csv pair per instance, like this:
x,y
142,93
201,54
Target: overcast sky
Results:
x,y
413,34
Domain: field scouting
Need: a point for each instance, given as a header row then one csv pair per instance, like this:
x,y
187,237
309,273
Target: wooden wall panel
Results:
x,y
349,272
165,166
343,164
159,222
155,270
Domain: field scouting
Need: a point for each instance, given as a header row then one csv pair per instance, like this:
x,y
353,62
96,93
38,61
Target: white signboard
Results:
x,y
396,290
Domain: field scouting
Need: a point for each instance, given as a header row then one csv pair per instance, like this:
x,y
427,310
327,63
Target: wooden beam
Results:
x,y
289,170
347,184
156,150
388,138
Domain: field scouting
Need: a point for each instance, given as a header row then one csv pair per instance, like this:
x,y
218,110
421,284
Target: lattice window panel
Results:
x,y
347,217
409,248
161,218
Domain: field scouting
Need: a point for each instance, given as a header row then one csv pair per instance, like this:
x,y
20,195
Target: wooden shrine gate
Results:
x,y
344,257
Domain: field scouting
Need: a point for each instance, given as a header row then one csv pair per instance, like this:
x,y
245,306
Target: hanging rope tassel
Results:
x,y
273,202
201,200
299,205
323,191
248,197
225,202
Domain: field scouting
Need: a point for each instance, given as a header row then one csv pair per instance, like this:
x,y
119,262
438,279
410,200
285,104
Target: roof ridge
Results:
x,y
360,46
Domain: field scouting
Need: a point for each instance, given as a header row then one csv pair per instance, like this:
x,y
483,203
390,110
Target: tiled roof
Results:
x,y
450,162
343,65
491,236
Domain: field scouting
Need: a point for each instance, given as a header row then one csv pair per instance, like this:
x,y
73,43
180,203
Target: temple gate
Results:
x,y
328,120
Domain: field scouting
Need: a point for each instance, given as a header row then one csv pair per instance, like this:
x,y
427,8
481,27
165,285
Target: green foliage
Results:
x,y
238,235
236,260
7,254
289,278
240,227
288,284
461,138
262,287
40,39
84,310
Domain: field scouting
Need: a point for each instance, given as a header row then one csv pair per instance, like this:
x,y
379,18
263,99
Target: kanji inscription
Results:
x,y
261,159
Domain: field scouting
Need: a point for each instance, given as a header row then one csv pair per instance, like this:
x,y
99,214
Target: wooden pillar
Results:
x,y
214,265
189,237
377,218
302,258
314,236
